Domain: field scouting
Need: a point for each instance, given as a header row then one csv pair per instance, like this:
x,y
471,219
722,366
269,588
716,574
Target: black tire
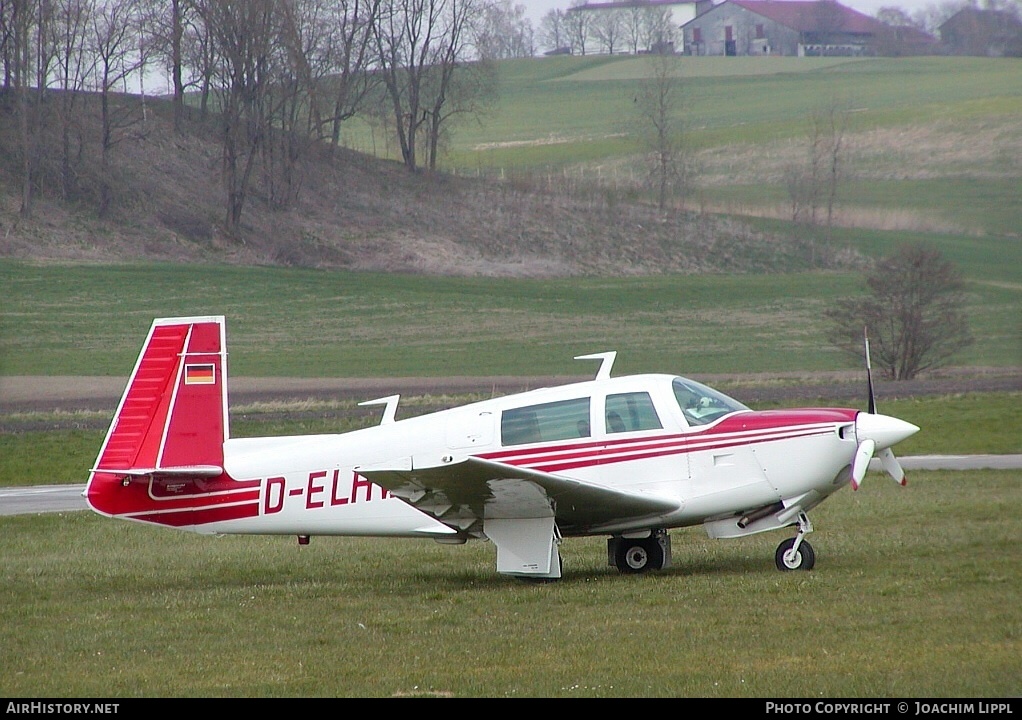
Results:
x,y
638,556
803,559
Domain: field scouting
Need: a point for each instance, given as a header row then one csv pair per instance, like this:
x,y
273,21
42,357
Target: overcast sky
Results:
x,y
536,9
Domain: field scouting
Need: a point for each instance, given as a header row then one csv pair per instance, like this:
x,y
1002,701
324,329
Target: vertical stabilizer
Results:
x,y
167,436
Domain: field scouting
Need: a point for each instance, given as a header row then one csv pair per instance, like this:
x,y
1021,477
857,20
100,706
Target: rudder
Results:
x,y
172,420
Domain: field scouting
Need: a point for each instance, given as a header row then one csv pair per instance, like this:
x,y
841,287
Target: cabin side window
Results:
x,y
561,420
628,412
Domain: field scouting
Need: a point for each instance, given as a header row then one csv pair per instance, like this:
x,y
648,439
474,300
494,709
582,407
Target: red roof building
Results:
x,y
782,27
984,32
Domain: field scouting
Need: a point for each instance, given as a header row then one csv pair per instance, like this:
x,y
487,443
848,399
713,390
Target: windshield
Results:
x,y
701,404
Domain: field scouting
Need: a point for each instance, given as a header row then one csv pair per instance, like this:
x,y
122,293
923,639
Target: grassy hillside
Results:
x,y
932,146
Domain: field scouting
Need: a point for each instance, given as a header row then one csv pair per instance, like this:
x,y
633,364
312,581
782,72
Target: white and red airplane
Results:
x,y
626,457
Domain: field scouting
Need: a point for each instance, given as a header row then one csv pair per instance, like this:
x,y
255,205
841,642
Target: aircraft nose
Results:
x,y
883,430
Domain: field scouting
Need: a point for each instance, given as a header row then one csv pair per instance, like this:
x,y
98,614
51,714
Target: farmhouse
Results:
x,y
782,27
984,32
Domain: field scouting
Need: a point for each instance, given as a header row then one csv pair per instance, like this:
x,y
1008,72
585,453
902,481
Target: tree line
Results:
x,y
274,77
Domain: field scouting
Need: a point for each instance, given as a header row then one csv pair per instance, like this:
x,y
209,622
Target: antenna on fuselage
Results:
x,y
390,411
608,362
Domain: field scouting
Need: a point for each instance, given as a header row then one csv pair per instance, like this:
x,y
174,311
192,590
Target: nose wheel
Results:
x,y
796,553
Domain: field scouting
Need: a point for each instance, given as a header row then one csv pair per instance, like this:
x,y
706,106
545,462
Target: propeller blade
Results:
x,y
892,466
860,463
869,374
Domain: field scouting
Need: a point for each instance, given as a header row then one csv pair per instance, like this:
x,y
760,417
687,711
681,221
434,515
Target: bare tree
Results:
x,y
914,315
167,38
115,44
468,92
659,31
347,68
578,23
802,178
7,41
292,105
28,54
836,124
501,30
894,16
633,25
454,86
932,15
609,29
168,22
889,40
553,31
73,65
402,34
813,183
177,31
649,28
242,37
420,46
198,53
658,103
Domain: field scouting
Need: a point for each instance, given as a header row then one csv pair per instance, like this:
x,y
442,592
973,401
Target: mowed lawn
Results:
x,y
915,594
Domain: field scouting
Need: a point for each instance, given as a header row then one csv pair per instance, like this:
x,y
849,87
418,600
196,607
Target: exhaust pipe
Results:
x,y
759,514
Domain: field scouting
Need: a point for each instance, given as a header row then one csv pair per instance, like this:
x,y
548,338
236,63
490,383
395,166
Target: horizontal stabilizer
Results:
x,y
181,471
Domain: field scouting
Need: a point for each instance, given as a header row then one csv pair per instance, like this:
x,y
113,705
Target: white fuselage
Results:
x,y
309,485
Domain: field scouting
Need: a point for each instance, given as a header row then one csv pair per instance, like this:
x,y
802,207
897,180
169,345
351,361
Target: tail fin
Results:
x,y
166,439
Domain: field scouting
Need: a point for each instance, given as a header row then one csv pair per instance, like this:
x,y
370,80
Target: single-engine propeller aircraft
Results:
x,y
627,457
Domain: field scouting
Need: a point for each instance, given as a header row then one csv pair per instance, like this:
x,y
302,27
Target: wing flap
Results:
x,y
475,489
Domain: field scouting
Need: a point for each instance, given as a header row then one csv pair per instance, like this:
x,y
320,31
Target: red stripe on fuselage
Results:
x,y
737,430
108,494
200,515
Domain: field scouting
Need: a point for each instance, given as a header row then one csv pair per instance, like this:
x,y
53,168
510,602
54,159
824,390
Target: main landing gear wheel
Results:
x,y
639,555
789,557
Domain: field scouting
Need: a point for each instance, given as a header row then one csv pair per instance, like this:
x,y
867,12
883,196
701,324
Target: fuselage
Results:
x,y
658,435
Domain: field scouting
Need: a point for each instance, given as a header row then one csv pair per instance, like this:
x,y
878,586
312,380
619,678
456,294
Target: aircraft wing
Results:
x,y
463,493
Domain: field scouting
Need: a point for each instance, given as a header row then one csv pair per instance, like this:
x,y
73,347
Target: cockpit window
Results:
x,y
701,404
631,411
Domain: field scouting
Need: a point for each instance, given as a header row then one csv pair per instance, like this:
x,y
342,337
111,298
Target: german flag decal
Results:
x,y
200,374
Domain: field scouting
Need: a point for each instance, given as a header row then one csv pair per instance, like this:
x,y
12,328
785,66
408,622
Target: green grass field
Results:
x,y
91,320
915,594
